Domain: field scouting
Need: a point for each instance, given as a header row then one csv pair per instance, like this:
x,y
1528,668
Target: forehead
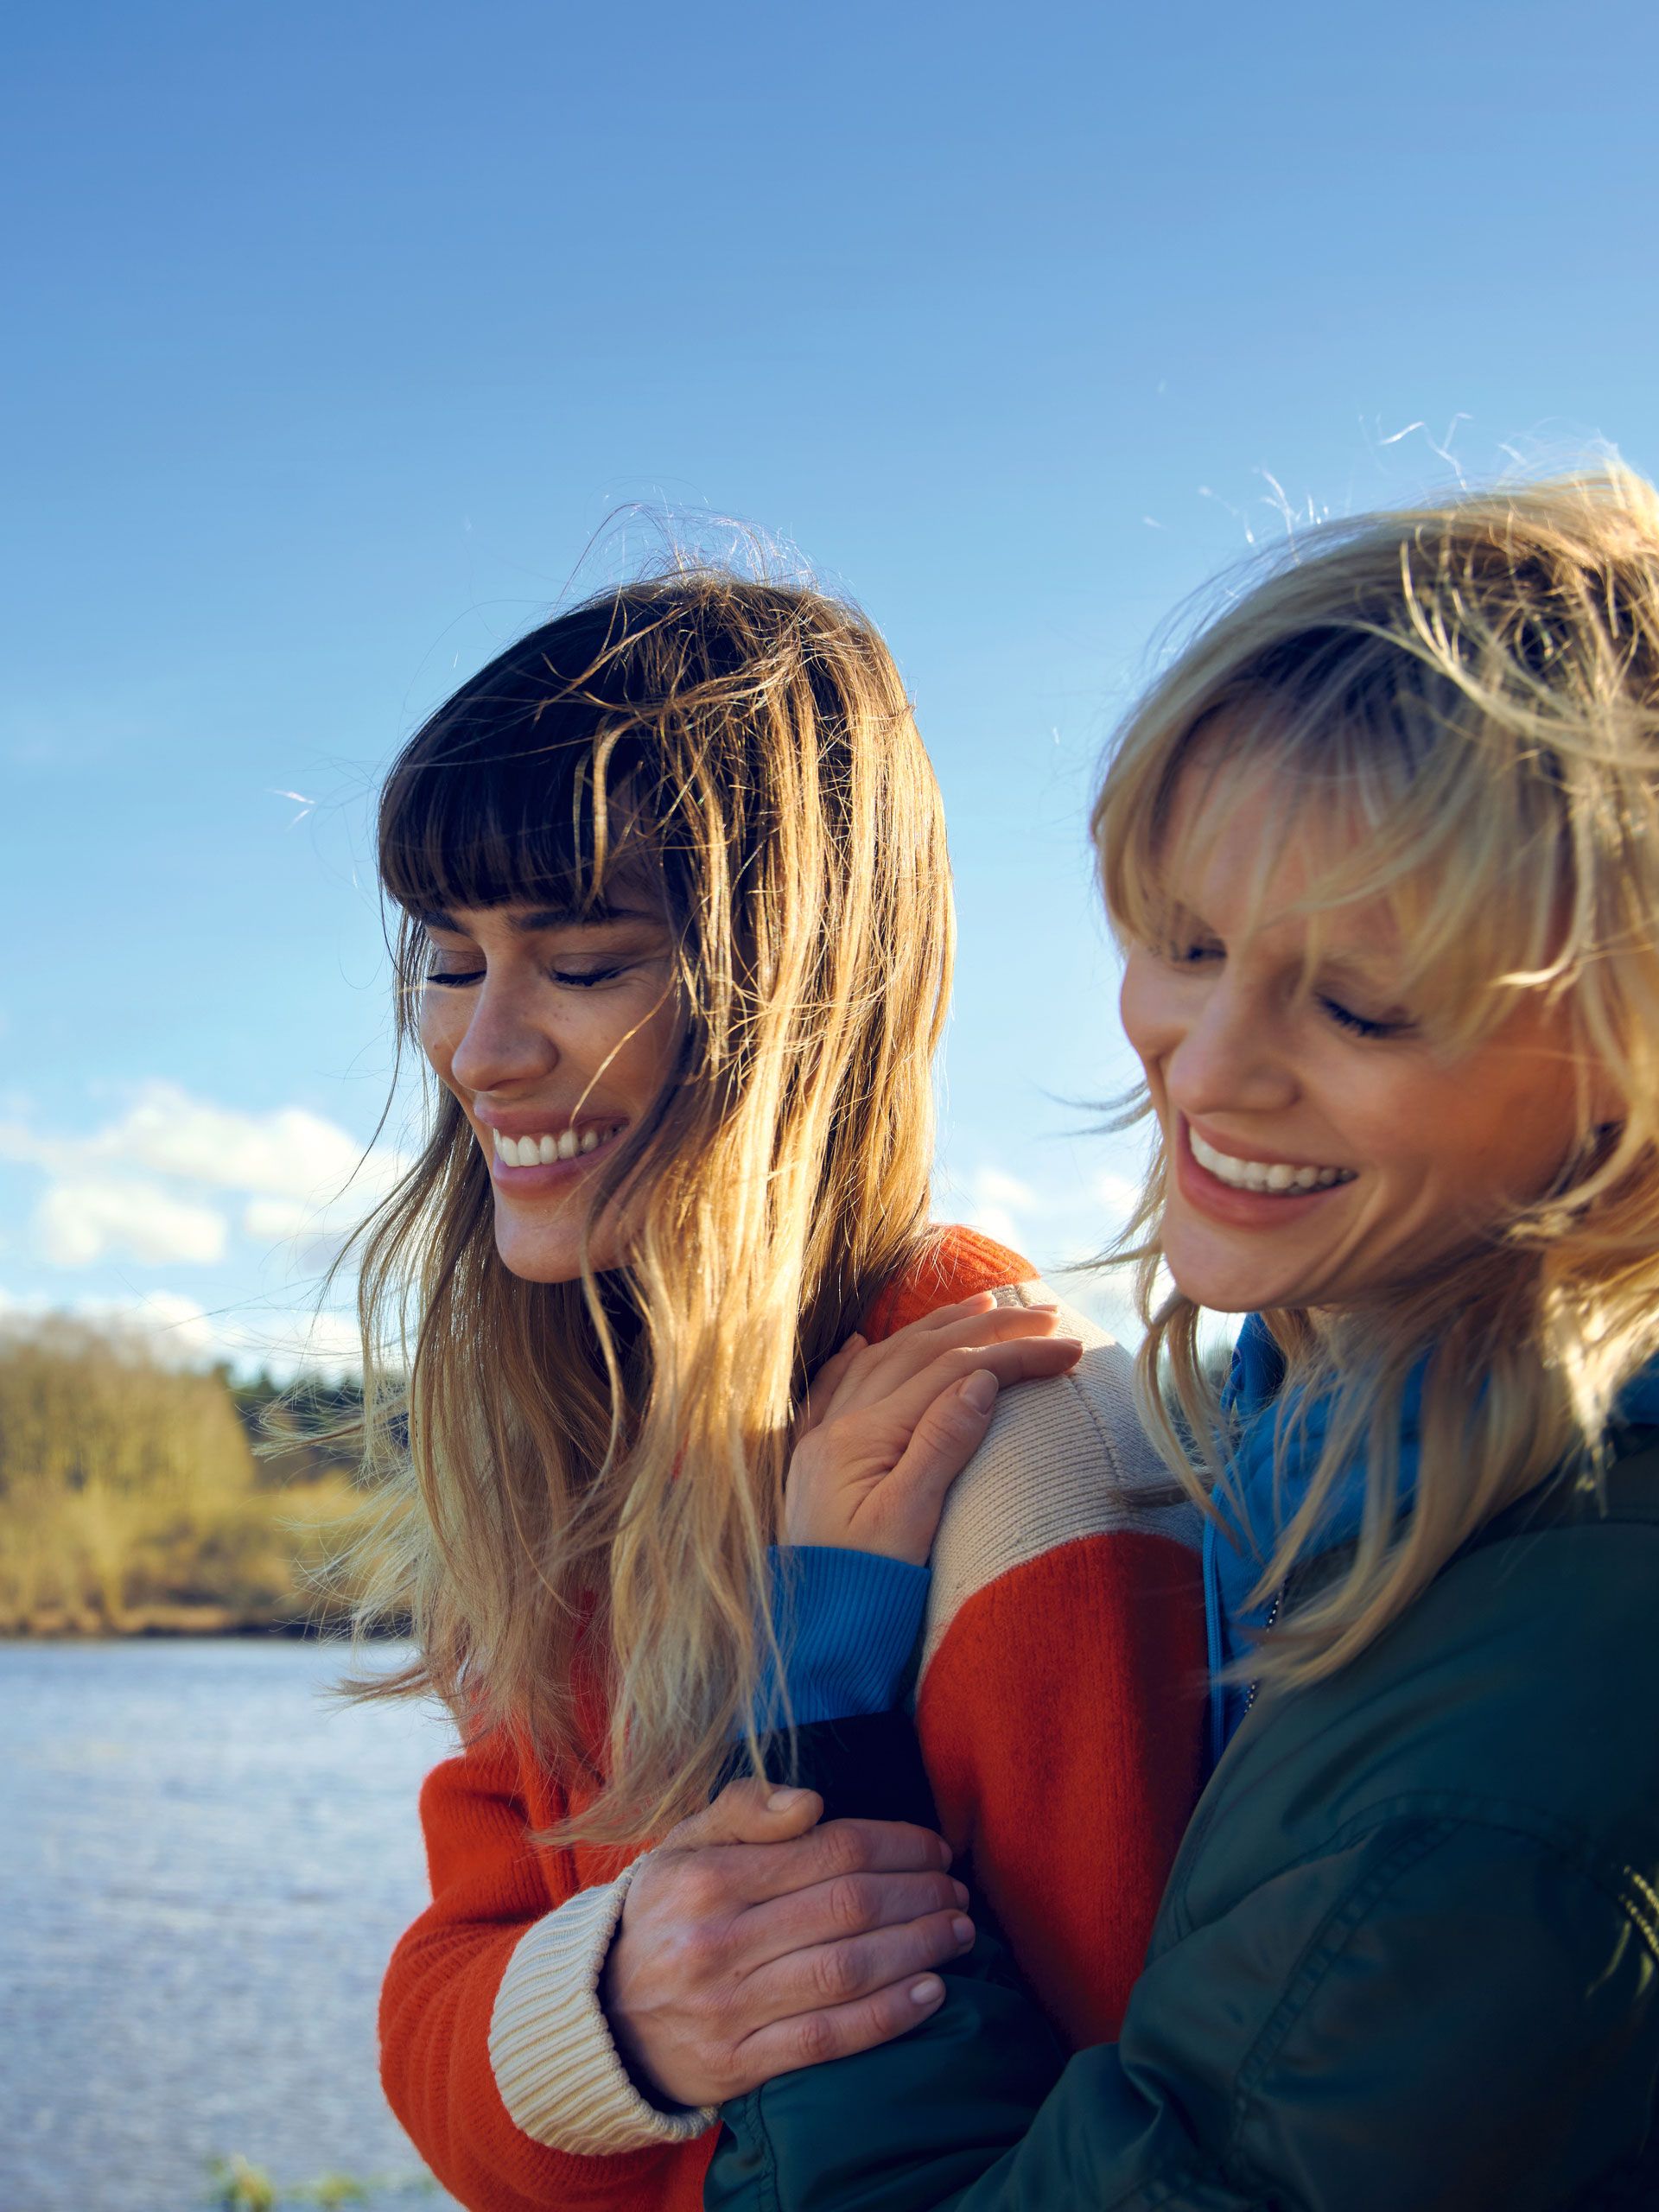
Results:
x,y
1253,850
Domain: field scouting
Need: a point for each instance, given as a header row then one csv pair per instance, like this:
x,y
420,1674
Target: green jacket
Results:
x,y
1408,1960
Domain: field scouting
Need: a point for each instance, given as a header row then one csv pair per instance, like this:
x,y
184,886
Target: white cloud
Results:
x,y
1060,1226
999,1204
291,1154
286,1341
177,1329
147,1186
78,1222
157,1183
1116,1198
181,1332
274,1221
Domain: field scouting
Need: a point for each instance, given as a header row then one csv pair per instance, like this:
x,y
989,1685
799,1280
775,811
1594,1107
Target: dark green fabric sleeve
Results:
x,y
1437,2014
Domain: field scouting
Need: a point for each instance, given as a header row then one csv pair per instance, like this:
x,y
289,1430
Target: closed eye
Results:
x,y
1359,1024
584,981
460,978
1189,952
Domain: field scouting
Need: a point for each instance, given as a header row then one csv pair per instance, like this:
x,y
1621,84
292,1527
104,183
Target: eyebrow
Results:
x,y
1372,969
547,918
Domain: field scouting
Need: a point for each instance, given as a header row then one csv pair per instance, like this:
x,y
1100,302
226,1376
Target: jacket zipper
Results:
x,y
1267,1630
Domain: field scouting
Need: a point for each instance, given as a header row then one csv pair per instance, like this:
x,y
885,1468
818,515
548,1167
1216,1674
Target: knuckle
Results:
x,y
951,1421
848,1903
834,1974
699,1892
842,1849
699,1952
815,2039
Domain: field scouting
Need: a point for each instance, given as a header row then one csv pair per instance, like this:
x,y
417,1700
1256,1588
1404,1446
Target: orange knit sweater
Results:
x,y
1059,1709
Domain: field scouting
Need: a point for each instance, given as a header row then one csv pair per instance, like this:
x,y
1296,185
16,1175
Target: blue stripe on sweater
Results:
x,y
848,1624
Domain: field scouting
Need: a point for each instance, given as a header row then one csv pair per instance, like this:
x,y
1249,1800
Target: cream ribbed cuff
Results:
x,y
554,2062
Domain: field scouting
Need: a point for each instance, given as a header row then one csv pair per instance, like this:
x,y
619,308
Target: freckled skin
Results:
x,y
1441,1144
582,1018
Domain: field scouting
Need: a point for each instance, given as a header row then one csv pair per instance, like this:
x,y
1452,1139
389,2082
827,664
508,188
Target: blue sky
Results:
x,y
340,332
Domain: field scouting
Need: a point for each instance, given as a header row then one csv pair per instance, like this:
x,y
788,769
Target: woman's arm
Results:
x,y
572,2050
1436,2013
490,1895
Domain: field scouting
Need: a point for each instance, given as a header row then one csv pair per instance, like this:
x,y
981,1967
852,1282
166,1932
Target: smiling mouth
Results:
x,y
543,1151
1271,1178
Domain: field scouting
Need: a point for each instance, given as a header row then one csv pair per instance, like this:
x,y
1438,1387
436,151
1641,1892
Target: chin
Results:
x,y
537,1259
530,1267
1225,1282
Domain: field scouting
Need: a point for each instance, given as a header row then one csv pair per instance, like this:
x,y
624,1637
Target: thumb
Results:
x,y
750,1811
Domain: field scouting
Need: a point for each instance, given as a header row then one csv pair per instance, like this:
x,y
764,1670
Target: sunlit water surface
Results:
x,y
203,1865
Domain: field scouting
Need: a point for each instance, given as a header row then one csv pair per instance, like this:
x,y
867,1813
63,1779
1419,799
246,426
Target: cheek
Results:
x,y
653,1052
439,1029
1142,1008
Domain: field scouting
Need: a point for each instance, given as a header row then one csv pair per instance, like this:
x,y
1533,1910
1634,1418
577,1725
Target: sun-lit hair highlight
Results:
x,y
1473,687
582,1479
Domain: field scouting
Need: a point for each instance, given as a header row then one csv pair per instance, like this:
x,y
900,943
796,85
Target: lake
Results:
x,y
205,1865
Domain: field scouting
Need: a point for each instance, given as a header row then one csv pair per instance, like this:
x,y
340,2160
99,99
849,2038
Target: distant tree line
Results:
x,y
136,1497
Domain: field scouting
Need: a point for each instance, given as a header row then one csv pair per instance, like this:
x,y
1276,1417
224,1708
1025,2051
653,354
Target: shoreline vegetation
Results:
x,y
138,1499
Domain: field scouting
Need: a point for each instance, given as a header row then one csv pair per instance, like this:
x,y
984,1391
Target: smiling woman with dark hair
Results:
x,y
675,945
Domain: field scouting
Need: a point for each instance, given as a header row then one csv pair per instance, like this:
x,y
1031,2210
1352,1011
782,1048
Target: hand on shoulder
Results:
x,y
888,1426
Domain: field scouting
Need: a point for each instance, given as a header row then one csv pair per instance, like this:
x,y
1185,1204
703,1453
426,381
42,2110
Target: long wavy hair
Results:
x,y
1477,683
580,1480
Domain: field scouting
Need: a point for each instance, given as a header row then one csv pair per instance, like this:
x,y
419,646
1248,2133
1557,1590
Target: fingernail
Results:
x,y
927,1991
979,1391
784,1801
960,1889
964,1932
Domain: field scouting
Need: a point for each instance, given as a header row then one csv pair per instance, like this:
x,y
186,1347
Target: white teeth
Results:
x,y
1264,1175
542,1151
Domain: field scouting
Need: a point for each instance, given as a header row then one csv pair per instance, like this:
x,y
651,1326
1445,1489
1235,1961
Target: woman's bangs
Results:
x,y
488,822
1477,893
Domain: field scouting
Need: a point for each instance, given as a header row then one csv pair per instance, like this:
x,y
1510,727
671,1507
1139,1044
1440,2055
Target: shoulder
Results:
x,y
1063,1462
954,1263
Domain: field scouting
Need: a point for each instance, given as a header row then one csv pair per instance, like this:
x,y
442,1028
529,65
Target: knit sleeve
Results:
x,y
491,1888
848,1624
556,2065
1061,1696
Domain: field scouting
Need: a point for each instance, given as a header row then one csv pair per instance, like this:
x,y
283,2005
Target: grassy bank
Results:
x,y
135,1499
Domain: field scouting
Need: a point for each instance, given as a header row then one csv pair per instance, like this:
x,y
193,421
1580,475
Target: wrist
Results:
x,y
627,2031
848,1624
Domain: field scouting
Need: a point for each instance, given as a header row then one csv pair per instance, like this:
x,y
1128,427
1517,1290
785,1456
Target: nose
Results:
x,y
1229,1057
504,1046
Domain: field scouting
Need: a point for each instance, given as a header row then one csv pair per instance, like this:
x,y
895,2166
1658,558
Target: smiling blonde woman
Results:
x,y
675,945
1382,849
